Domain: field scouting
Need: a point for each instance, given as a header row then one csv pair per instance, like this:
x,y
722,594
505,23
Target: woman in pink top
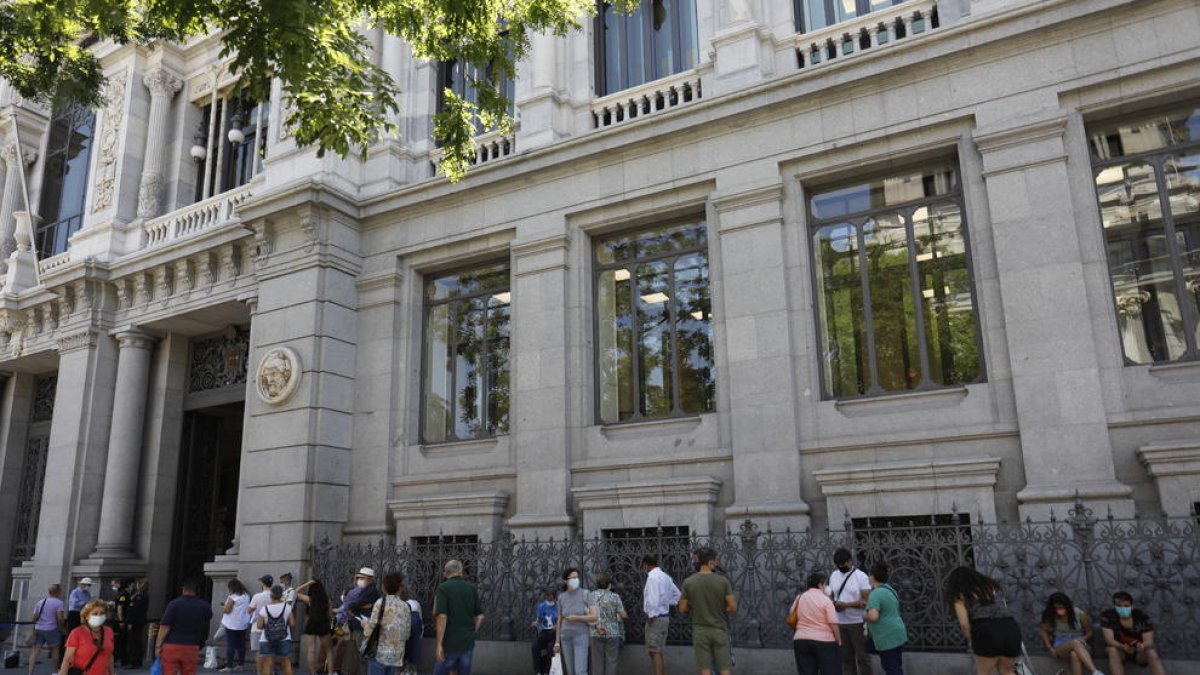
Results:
x,y
817,637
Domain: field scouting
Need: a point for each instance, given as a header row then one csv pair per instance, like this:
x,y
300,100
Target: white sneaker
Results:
x,y
1097,672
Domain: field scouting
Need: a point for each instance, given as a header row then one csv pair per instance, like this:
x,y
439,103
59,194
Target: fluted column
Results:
x,y
12,200
115,537
163,86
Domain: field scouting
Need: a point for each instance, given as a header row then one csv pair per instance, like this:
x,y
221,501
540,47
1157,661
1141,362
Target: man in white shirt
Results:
x,y
849,588
660,593
261,599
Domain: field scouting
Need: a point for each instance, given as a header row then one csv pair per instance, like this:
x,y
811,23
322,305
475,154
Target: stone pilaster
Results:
x,y
1065,441
163,87
118,506
541,98
16,406
539,394
753,274
13,199
743,47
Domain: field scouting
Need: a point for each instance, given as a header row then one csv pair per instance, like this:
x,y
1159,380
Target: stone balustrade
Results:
x,y
648,99
866,33
47,265
198,217
488,148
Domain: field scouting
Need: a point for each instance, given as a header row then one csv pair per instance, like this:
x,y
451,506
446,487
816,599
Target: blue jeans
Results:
x,y
575,653
455,661
235,647
376,668
892,661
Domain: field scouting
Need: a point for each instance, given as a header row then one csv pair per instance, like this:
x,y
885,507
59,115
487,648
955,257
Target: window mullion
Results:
x,y
635,350
485,369
1187,305
452,366
672,317
914,278
863,271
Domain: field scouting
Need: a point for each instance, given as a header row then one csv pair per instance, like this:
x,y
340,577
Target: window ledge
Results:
x,y
898,403
615,432
459,447
1180,371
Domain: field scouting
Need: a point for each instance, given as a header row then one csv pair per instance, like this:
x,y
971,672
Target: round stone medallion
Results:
x,y
278,375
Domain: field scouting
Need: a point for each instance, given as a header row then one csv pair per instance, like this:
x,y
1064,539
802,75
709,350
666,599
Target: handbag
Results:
x,y
793,617
556,665
371,644
80,671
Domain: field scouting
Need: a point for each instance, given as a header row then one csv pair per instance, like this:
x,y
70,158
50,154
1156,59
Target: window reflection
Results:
x,y
812,15
64,182
653,41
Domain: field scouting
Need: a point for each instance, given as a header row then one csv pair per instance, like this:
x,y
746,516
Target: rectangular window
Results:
x,y
654,346
1148,187
657,39
813,15
466,372
231,144
893,290
64,183
460,77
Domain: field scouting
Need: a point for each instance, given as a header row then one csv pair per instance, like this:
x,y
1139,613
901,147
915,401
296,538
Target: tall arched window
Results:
x,y
64,184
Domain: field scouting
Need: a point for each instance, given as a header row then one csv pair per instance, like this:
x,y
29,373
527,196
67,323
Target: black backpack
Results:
x,y
275,629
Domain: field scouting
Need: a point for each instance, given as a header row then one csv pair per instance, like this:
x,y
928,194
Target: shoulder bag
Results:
x,y
793,617
371,644
871,649
99,648
32,637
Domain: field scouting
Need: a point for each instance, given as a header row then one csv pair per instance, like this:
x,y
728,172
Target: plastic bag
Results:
x,y
156,667
210,658
556,665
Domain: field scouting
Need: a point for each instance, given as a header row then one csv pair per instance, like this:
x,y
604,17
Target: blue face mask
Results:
x,y
1124,612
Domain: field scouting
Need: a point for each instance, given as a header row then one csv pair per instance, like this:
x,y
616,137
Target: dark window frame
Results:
x,y
858,218
454,75
53,237
600,46
426,307
861,8
1132,231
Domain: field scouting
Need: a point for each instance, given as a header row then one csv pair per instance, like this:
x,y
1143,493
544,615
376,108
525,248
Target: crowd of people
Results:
x,y
838,622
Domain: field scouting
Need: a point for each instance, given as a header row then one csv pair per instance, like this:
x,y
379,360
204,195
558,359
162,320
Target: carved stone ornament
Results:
x,y
160,82
150,195
110,138
278,375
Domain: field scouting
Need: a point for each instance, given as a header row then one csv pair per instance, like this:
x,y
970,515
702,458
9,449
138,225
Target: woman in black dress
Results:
x,y
318,629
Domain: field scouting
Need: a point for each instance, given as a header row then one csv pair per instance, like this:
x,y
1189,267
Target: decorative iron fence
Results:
x,y
1086,557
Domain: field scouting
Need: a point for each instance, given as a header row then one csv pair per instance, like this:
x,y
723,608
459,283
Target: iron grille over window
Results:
x,y
460,77
233,135
1148,186
814,15
623,551
64,183
33,470
654,348
656,40
894,293
465,385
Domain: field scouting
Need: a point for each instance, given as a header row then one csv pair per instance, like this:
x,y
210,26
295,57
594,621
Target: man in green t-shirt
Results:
x,y
458,615
708,597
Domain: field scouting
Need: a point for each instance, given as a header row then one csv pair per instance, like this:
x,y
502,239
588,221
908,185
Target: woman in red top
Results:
x,y
85,641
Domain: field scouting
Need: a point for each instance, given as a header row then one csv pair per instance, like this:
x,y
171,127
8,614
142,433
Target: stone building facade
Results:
x,y
797,262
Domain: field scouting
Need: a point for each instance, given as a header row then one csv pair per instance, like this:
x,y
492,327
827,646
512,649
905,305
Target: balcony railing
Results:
x,y
648,99
866,33
46,265
190,220
489,147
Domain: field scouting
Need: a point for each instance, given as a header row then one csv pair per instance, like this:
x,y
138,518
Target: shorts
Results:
x,y
48,638
996,637
277,648
709,645
656,633
1061,640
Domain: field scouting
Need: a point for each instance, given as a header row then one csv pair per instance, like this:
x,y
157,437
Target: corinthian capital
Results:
x,y
161,82
9,155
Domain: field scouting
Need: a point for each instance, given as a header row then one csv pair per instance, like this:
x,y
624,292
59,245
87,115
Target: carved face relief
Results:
x,y
278,375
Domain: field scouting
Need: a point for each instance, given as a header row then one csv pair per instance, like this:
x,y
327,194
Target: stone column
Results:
x,y
163,86
757,331
539,393
16,407
13,199
743,47
115,538
1065,443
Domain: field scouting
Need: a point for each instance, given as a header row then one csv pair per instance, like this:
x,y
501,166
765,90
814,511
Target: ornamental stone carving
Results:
x,y
161,82
110,142
150,195
278,375
9,155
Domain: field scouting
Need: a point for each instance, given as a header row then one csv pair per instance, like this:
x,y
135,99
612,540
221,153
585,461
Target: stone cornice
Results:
x,y
82,340
310,192
648,493
450,504
908,476
1171,458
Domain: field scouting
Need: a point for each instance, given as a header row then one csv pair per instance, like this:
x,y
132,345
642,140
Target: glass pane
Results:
x,y
816,17
688,40
1149,312
1156,132
1188,236
652,242
893,311
693,335
882,192
840,309
949,311
1127,194
437,400
471,282
663,25
469,366
1182,175
654,338
614,71
499,341
614,326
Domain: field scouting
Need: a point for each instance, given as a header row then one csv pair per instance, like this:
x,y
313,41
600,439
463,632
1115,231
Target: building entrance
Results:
x,y
207,493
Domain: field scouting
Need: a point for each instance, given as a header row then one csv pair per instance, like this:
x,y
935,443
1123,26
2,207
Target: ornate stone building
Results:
x,y
791,261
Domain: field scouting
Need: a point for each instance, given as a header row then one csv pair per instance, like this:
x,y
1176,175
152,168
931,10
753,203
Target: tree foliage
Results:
x,y
342,101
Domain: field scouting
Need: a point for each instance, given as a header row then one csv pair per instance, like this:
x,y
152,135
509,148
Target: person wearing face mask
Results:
x,y
1065,632
1128,636
576,613
90,645
849,589
356,605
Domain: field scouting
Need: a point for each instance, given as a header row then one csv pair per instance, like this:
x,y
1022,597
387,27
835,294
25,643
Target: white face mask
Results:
x,y
362,583
97,620
573,584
